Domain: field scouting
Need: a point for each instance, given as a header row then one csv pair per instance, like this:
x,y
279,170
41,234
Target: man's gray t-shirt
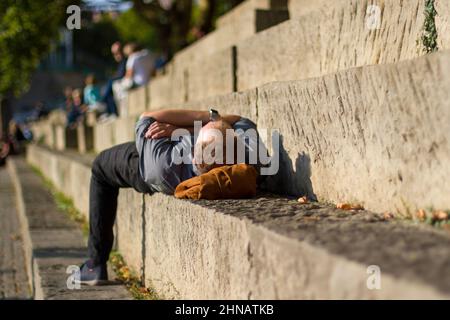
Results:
x,y
157,164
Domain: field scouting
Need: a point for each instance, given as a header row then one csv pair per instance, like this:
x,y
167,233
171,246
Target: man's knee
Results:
x,y
98,166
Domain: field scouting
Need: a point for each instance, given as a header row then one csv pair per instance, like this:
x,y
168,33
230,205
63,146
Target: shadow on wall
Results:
x,y
290,180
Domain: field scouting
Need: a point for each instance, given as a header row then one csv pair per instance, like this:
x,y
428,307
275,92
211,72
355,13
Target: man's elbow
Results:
x,y
146,114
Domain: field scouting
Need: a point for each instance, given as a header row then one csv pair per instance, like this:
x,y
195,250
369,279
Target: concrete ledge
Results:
x,y
160,91
351,136
104,136
375,135
130,230
114,132
301,8
212,76
245,23
69,172
359,135
443,23
275,248
65,138
137,101
242,11
207,67
44,132
85,138
329,40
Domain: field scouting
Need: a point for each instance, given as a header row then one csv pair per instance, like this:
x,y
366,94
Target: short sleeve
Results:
x,y
130,62
140,130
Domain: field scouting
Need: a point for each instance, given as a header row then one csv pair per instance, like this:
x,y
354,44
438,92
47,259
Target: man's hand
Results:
x,y
160,130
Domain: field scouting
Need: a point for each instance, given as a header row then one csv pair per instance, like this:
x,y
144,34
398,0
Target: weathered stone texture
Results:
x,y
327,41
124,129
244,11
137,101
274,248
104,136
443,23
70,173
130,226
376,135
160,91
211,76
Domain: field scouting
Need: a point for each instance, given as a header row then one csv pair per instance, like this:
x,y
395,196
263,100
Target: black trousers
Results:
x,y
113,168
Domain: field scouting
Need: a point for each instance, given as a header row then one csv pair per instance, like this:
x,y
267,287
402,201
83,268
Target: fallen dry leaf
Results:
x,y
388,215
440,215
303,200
421,214
348,206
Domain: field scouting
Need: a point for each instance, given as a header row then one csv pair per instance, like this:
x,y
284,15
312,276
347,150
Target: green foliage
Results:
x,y
429,36
95,39
129,278
127,25
27,28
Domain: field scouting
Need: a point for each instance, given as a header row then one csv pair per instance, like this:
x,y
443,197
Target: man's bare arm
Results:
x,y
185,118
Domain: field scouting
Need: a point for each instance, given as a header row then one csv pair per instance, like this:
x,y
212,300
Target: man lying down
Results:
x,y
192,154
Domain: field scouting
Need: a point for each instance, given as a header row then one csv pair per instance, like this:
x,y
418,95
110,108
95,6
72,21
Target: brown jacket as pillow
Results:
x,y
226,182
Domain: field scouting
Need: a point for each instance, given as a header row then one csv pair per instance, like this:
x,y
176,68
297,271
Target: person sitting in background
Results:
x,y
139,67
108,95
76,109
91,95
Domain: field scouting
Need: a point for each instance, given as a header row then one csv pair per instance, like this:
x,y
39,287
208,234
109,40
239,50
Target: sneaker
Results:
x,y
93,275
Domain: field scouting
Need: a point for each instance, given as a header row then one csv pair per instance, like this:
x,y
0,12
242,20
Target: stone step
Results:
x,y
336,37
325,38
244,10
55,242
244,21
356,135
360,134
114,132
206,68
270,247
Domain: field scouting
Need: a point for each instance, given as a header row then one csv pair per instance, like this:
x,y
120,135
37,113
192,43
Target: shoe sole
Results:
x,y
93,282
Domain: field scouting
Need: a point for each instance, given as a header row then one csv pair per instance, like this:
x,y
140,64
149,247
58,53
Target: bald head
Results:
x,y
210,150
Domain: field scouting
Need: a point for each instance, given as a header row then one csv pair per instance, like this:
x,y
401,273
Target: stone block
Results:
x,y
443,23
130,229
211,76
338,38
376,135
124,129
104,136
137,101
65,138
85,138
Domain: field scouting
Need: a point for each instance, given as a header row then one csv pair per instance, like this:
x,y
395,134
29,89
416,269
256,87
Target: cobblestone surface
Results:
x,y
13,276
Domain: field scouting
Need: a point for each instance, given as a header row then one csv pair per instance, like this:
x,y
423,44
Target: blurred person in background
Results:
x,y
91,95
76,109
140,65
108,95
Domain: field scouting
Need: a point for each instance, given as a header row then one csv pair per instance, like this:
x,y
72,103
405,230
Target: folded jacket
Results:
x,y
227,182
